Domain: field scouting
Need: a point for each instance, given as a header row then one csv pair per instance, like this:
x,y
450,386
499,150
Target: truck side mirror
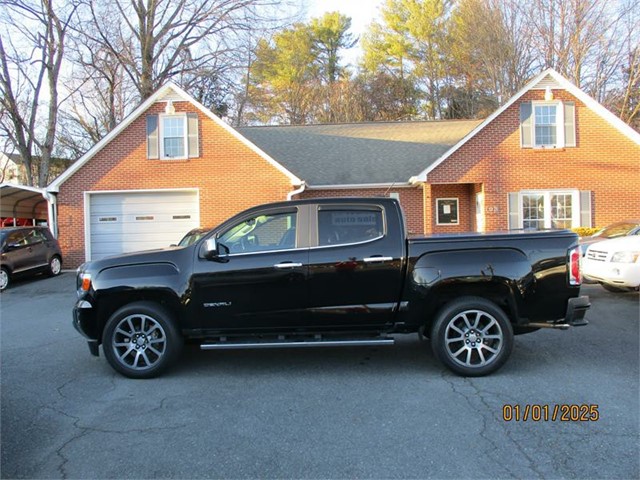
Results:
x,y
215,251
211,248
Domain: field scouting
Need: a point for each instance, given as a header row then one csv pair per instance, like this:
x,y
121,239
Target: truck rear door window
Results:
x,y
339,227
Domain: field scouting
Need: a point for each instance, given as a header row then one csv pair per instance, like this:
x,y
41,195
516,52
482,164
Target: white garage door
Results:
x,y
132,221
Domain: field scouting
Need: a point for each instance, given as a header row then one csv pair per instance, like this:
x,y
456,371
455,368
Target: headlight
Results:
x,y
625,257
83,282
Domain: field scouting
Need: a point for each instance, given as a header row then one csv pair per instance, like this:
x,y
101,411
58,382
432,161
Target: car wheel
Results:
x,y
5,278
472,336
55,266
141,340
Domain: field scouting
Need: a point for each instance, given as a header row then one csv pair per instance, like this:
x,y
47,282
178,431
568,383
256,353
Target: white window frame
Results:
x,y
457,211
185,136
575,205
559,123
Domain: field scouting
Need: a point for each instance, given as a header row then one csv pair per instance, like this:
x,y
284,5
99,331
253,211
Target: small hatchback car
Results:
x,y
26,251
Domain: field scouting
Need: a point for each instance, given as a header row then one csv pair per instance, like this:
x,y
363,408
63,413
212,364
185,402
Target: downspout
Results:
x,y
297,191
52,204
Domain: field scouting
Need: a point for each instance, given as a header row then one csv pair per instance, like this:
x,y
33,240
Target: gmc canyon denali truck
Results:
x,y
330,272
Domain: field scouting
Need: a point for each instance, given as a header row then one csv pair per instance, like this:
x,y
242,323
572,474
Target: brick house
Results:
x,y
551,157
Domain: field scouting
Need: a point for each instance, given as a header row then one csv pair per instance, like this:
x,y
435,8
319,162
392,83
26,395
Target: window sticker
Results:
x,y
353,218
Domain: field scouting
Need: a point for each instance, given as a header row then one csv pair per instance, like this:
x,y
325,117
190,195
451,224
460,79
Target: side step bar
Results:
x,y
225,345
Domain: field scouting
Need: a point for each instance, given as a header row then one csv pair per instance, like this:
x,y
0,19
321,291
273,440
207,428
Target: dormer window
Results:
x,y
547,124
172,136
546,120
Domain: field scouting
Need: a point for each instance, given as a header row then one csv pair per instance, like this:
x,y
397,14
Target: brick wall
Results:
x,y
229,175
411,200
604,162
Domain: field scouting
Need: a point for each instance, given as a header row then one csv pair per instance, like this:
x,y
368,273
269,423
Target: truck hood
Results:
x,y
162,255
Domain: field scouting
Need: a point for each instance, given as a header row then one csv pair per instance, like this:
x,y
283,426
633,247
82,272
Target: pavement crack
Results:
x,y
472,398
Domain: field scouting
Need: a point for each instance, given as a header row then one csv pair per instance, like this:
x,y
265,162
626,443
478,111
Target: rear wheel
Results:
x,y
5,278
55,266
472,336
141,340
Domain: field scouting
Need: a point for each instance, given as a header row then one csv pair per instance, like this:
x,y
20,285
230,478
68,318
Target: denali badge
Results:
x,y
217,304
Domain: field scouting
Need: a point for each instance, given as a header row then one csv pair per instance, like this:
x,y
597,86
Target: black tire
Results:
x,y
140,340
55,266
5,279
472,336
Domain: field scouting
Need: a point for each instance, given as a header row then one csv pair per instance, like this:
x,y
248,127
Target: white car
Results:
x,y
615,264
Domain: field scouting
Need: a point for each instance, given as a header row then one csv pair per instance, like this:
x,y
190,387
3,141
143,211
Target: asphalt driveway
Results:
x,y
386,412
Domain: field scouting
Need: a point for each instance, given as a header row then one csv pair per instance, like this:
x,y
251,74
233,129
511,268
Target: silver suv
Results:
x,y
26,251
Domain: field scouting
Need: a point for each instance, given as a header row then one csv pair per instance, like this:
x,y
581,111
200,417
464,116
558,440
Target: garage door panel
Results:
x,y
132,221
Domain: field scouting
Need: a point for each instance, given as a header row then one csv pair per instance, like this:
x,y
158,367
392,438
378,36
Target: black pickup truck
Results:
x,y
330,272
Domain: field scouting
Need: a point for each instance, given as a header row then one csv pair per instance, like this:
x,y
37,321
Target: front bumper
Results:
x,y
612,273
84,321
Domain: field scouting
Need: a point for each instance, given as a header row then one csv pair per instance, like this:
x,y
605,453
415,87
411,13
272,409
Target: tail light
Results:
x,y
575,256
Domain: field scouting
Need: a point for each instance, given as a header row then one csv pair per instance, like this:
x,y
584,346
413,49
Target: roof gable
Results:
x,y
547,78
170,91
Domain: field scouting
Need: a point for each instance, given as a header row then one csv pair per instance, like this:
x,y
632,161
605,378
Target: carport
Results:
x,y
21,201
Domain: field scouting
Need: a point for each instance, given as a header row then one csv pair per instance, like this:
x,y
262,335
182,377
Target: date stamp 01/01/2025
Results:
x,y
550,413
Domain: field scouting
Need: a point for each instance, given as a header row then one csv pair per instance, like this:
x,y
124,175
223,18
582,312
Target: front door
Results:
x,y
259,281
355,267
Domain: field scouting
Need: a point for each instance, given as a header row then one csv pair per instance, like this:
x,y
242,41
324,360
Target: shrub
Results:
x,y
585,231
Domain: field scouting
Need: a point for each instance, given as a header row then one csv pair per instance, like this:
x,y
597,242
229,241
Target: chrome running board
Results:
x,y
226,345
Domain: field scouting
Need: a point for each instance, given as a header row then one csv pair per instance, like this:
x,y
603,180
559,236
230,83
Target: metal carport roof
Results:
x,y
21,201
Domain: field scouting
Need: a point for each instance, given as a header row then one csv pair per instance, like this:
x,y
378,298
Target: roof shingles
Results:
x,y
363,153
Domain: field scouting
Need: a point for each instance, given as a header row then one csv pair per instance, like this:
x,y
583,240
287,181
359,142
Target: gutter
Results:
x,y
297,191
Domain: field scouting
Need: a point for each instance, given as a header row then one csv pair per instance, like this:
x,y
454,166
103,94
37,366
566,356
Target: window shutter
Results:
x,y
525,125
514,211
585,208
569,124
152,136
192,128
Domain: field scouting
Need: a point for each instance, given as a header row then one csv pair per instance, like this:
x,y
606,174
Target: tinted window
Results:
x,y
16,238
262,233
348,226
35,236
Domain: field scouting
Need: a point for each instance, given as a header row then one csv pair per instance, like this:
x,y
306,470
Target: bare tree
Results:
x,y
32,48
169,37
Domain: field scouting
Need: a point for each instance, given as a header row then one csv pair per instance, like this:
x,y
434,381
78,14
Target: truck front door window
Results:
x,y
262,233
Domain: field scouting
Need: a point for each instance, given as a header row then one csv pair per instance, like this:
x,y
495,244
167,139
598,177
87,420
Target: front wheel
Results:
x,y
140,340
472,336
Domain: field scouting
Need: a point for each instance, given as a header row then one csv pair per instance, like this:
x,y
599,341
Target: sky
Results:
x,y
362,13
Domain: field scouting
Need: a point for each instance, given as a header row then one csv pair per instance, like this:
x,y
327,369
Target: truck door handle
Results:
x,y
377,259
285,265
